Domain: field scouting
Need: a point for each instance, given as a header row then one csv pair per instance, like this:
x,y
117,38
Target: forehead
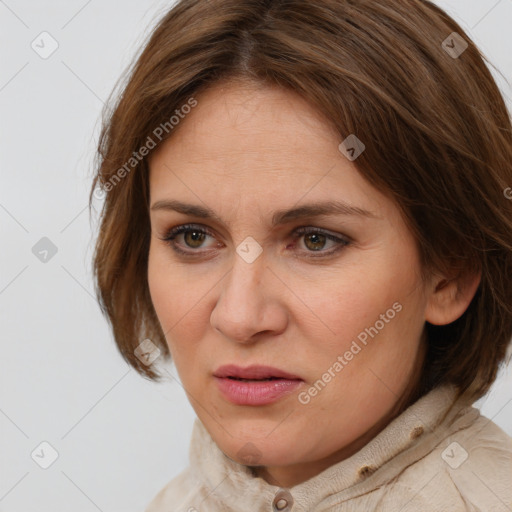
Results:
x,y
251,143
246,124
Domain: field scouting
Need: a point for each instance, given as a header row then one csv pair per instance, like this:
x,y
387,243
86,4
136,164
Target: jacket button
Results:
x,y
283,501
417,432
366,470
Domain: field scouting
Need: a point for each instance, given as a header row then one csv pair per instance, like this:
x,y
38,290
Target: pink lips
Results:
x,y
255,390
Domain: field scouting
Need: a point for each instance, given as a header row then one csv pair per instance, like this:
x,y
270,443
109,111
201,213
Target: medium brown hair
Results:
x,y
437,132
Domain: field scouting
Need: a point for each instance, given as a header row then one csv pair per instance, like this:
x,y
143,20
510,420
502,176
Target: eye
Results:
x,y
193,237
315,240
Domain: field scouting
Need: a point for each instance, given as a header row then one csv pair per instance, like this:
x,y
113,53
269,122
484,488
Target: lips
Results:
x,y
256,385
253,373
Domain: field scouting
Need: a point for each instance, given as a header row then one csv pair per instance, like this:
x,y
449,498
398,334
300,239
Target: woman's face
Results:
x,y
342,306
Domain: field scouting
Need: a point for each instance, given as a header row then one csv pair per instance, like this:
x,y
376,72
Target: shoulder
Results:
x,y
468,470
478,461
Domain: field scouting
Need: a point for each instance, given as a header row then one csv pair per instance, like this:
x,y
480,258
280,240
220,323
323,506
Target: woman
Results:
x,y
306,207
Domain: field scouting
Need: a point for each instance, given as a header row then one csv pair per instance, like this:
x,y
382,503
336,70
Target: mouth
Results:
x,y
256,385
254,373
256,380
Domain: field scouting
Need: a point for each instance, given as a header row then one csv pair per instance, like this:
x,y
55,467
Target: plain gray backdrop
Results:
x,y
118,438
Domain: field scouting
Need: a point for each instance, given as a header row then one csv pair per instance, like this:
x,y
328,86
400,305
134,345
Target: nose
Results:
x,y
250,303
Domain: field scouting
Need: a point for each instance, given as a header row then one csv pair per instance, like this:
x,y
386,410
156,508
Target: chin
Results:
x,y
251,451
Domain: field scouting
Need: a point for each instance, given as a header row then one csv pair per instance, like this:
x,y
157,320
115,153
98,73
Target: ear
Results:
x,y
450,297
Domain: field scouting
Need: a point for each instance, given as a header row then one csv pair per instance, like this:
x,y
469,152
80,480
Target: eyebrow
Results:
x,y
278,218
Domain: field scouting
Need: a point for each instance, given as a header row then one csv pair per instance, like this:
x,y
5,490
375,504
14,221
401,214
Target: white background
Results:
x,y
120,438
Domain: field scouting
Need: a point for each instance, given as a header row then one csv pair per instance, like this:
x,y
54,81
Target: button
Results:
x,y
366,470
283,501
416,432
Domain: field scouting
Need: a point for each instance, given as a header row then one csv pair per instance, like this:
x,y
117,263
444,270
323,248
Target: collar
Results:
x,y
407,439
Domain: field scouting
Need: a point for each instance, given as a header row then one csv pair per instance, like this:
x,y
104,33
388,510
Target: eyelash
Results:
x,y
298,233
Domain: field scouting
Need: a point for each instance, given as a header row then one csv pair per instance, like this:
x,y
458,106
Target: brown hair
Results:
x,y
437,133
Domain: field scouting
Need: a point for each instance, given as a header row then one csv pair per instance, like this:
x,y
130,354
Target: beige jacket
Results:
x,y
438,455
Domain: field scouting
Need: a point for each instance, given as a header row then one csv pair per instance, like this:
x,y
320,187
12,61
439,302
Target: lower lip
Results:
x,y
256,393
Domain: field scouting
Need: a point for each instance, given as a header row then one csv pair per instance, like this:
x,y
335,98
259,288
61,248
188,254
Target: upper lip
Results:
x,y
253,372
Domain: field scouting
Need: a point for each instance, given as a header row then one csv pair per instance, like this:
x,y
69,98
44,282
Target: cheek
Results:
x,y
159,284
165,289
179,302
355,299
374,348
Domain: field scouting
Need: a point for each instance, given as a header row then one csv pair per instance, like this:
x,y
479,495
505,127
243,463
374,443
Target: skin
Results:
x,y
244,152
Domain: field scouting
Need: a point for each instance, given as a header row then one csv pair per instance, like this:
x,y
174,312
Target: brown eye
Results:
x,y
194,239
316,244
187,236
315,241
318,241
